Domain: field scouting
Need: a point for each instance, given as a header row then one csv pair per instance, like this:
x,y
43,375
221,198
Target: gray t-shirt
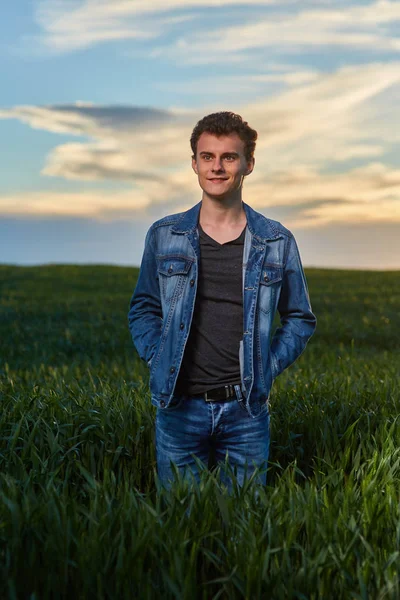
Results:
x,y
211,357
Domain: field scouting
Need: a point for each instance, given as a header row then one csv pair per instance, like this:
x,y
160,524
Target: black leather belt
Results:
x,y
220,394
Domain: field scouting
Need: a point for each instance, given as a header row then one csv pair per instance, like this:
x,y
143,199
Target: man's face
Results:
x,y
221,164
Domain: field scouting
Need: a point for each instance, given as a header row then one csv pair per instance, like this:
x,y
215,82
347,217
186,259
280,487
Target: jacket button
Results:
x,y
162,403
191,282
170,269
182,326
266,278
172,370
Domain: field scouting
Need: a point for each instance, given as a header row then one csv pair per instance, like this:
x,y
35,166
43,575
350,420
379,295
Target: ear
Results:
x,y
250,166
194,166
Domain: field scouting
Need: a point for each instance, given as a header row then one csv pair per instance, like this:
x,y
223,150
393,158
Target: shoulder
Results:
x,y
266,227
181,222
168,220
162,226
279,228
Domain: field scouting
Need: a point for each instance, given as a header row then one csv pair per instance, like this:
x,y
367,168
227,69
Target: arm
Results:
x,y
297,321
145,314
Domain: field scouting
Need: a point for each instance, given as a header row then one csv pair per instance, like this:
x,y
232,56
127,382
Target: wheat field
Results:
x,y
81,512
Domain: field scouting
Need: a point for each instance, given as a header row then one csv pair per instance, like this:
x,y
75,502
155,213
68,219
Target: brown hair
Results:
x,y
224,123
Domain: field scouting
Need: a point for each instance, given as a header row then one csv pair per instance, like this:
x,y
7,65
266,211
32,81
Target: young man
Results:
x,y
210,283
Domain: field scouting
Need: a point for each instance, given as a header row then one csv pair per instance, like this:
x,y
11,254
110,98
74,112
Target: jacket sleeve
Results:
x,y
297,321
145,313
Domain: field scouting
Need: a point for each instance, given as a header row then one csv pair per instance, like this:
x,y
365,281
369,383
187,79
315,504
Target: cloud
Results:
x,y
281,26
223,85
368,193
70,25
330,119
98,204
360,27
362,195
135,163
101,205
306,135
356,212
86,119
96,162
128,143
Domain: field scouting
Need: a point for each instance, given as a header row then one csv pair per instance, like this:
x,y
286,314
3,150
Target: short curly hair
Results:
x,y
224,123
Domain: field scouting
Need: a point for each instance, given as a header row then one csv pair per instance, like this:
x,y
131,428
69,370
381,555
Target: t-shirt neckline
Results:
x,y
205,235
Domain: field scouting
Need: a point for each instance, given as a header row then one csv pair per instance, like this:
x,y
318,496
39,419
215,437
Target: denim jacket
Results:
x,y
162,304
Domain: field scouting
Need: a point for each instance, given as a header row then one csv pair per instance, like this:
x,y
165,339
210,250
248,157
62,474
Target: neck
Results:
x,y
221,210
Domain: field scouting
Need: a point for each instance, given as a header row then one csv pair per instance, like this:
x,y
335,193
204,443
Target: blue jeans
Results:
x,y
213,432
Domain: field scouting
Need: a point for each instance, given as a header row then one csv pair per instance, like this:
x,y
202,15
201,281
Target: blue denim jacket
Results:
x,y
162,305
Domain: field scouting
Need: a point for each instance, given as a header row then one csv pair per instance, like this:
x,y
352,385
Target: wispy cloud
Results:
x,y
283,27
366,194
69,25
226,84
303,133
98,204
361,27
87,119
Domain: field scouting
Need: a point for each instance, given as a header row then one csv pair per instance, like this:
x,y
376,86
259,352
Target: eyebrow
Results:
x,y
224,154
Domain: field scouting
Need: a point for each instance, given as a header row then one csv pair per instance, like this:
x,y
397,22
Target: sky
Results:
x,y
99,98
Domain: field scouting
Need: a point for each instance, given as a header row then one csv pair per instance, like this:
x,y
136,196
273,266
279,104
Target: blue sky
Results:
x,y
99,99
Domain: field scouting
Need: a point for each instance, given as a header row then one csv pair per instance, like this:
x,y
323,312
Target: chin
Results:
x,y
212,194
212,191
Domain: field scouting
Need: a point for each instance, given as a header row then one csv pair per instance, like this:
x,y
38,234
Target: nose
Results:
x,y
217,164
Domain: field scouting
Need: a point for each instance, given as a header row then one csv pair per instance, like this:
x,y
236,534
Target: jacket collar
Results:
x,y
262,228
187,222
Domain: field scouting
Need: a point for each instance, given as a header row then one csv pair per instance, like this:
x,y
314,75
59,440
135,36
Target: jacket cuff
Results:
x,y
274,365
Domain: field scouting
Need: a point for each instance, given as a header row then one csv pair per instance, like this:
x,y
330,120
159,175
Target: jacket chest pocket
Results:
x,y
173,272
270,285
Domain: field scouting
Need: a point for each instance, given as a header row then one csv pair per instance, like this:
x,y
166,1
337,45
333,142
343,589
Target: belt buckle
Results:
x,y
229,391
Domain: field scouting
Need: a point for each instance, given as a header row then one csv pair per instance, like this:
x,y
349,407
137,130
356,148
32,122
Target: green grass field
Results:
x,y
80,514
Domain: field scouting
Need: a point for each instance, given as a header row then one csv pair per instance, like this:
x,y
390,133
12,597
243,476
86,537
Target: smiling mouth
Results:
x,y
217,179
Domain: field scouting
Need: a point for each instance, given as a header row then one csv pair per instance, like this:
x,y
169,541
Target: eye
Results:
x,y
206,156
